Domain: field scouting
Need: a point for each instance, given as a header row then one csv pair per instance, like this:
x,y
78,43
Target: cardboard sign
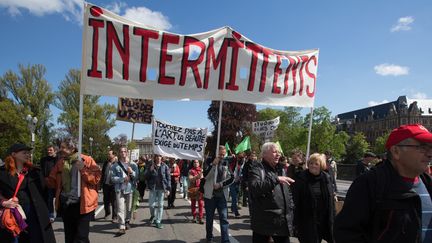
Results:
x,y
135,110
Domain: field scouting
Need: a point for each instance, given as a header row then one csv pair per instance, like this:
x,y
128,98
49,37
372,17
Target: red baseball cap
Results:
x,y
415,131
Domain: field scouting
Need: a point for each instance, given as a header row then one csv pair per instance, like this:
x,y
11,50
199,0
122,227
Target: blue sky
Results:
x,y
370,51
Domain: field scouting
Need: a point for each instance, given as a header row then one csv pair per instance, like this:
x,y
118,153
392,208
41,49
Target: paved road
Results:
x,y
178,227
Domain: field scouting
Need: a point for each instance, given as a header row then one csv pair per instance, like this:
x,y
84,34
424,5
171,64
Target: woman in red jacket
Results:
x,y
195,175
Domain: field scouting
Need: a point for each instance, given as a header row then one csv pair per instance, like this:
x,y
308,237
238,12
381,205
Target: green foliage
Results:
x,y
356,147
379,147
97,119
31,94
13,127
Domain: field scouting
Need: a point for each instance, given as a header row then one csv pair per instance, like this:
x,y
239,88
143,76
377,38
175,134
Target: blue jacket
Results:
x,y
163,173
118,177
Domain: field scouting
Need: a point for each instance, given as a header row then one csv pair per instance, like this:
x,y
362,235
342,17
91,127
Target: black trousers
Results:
x,y
258,238
109,198
141,188
76,225
172,195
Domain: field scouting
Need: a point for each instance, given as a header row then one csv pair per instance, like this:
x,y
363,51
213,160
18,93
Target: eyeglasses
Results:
x,y
422,148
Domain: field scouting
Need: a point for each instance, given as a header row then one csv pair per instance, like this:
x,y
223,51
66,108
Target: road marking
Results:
x,y
98,210
216,225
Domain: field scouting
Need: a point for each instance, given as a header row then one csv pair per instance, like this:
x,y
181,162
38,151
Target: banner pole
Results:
x,y
309,133
219,128
80,128
133,130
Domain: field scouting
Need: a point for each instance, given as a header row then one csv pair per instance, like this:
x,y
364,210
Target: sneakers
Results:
x,y
159,226
114,220
200,221
194,220
128,226
152,219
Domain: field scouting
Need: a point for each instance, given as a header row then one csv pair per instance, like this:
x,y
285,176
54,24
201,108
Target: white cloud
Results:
x,y
391,69
116,7
72,10
403,24
145,16
419,95
374,103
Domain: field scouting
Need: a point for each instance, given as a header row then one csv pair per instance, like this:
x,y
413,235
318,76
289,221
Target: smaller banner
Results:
x,y
135,110
178,142
265,129
134,154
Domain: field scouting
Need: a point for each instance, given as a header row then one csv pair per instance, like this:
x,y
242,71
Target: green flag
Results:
x,y
227,148
279,147
243,146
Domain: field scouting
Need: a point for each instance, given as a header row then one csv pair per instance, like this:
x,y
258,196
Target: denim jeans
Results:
x,y
220,204
184,181
156,197
234,190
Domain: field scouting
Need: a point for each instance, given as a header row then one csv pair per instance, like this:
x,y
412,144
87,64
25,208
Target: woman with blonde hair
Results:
x,y
22,186
314,202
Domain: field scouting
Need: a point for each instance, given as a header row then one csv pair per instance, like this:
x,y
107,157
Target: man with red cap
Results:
x,y
392,202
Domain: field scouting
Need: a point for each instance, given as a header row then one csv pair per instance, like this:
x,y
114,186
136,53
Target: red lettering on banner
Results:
x,y
165,57
145,36
294,73
287,71
277,71
96,24
188,41
123,50
311,75
220,59
252,70
303,59
266,53
235,44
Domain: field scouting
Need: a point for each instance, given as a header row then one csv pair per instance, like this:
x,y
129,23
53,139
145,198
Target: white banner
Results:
x,y
266,129
178,142
126,59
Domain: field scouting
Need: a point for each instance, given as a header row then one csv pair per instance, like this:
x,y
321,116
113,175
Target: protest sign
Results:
x,y
266,129
178,142
121,56
135,110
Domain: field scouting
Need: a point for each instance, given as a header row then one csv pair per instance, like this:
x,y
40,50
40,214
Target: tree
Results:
x,y
324,136
30,91
379,146
236,118
356,147
97,119
290,133
13,127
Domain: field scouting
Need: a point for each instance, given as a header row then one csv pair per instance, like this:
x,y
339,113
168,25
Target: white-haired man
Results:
x,y
271,199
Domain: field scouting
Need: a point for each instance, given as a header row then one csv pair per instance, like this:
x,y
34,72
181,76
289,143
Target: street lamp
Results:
x,y
91,146
31,122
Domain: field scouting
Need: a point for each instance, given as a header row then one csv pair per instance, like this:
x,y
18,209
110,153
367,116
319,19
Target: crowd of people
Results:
x,y
286,196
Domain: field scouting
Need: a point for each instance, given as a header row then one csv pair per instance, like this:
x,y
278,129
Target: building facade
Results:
x,y
144,145
377,120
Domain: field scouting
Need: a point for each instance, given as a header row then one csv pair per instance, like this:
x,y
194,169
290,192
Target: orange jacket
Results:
x,y
90,177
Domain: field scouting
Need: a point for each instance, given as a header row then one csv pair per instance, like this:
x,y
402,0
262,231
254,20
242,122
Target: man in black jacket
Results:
x,y
392,202
271,199
46,164
109,197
